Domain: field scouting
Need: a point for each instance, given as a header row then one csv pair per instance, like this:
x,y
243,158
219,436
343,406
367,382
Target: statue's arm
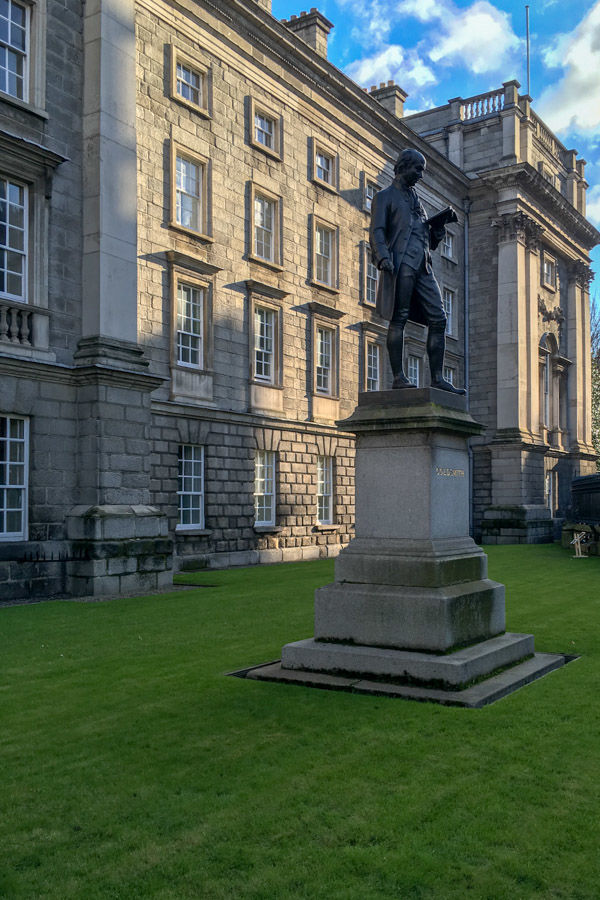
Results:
x,y
378,231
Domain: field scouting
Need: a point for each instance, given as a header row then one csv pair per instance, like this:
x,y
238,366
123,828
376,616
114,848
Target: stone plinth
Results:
x,y
412,579
411,600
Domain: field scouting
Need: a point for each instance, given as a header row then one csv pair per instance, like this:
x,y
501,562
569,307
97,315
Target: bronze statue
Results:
x,y
401,240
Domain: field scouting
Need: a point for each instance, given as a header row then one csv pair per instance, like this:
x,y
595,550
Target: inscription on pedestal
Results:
x,y
449,473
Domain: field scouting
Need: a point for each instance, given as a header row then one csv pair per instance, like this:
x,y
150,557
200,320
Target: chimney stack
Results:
x,y
312,27
390,96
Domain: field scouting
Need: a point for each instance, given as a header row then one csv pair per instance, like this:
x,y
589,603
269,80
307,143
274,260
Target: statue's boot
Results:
x,y
436,346
395,345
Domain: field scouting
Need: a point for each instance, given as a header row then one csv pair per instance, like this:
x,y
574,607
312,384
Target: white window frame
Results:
x,y
325,166
8,474
373,367
24,53
325,490
275,312
371,278
325,358
200,198
413,369
260,111
448,245
549,490
331,281
5,249
449,300
203,104
190,484
265,343
194,338
265,488
272,257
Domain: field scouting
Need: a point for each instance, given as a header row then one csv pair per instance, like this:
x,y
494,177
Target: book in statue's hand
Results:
x,y
443,218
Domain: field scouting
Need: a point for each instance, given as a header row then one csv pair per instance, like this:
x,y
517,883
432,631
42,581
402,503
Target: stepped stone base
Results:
x,y
451,670
480,694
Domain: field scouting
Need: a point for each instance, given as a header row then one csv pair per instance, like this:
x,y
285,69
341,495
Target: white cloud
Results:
x,y
405,67
424,10
572,104
375,19
480,38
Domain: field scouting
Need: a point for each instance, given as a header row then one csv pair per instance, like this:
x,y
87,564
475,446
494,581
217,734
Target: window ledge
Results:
x,y
200,236
326,528
268,529
265,262
272,154
449,259
201,110
326,396
324,287
22,104
325,185
196,532
266,384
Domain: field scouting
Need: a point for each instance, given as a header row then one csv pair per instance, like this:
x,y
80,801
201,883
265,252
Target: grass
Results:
x,y
132,768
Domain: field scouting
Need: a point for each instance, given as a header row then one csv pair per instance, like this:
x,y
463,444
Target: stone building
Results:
x,y
187,306
528,326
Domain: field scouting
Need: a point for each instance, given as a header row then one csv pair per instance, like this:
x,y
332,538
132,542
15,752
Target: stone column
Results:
x,y
119,542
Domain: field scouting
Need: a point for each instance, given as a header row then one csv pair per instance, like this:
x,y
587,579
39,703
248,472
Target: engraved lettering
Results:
x,y
449,473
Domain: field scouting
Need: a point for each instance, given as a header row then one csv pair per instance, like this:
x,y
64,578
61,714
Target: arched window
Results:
x,y
550,401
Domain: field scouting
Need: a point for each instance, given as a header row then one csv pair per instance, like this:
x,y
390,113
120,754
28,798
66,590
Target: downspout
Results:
x,y
467,209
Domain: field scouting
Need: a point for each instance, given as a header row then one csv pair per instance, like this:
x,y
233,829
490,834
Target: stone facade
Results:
x,y
198,311
528,331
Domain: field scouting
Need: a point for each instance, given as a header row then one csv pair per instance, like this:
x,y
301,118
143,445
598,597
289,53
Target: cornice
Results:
x,y
296,55
524,176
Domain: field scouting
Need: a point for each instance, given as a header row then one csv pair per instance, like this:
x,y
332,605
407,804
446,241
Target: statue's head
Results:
x,y
410,165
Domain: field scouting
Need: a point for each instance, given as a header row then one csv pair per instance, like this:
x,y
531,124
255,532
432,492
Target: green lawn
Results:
x,y
132,768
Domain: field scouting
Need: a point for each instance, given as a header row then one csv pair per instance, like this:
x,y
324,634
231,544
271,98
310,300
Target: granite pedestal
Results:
x,y
411,601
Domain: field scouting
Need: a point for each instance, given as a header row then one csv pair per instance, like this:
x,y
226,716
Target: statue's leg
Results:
x,y
395,335
435,315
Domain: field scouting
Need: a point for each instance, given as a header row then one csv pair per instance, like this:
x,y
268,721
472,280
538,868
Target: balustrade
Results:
x,y
482,105
23,326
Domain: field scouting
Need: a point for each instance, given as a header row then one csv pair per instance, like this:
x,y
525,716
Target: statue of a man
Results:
x,y
401,240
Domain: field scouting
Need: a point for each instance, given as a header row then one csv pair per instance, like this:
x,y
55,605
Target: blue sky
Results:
x,y
438,49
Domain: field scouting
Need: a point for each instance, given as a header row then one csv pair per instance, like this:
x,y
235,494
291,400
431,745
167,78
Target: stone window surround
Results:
x,y
35,80
179,274
367,183
448,245
258,300
275,199
419,366
546,256
323,147
333,286
372,333
373,342
205,233
365,255
24,533
257,107
320,321
32,165
180,56
195,527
